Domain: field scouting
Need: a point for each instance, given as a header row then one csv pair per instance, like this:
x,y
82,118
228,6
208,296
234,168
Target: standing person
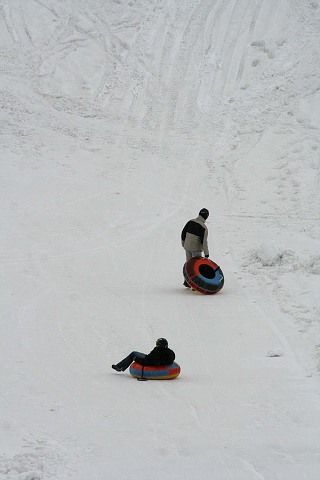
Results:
x,y
194,237
160,355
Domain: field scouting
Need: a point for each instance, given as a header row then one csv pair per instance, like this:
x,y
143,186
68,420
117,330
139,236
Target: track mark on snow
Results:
x,y
248,41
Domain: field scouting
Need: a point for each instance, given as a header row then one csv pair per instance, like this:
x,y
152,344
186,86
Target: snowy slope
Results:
x,y
119,121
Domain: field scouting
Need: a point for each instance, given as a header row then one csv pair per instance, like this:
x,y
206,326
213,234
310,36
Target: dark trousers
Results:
x,y
126,362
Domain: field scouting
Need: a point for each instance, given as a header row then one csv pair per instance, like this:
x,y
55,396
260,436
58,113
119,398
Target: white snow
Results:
x,y
119,120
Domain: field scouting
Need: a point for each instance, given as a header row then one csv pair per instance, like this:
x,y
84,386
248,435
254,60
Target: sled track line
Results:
x,y
99,38
147,324
185,56
7,14
224,46
248,41
231,44
176,57
217,21
134,70
44,372
158,82
71,354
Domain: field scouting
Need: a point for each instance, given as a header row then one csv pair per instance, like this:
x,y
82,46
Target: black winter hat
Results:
x,y
162,343
204,213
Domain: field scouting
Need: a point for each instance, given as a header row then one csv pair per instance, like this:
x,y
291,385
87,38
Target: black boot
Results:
x,y
116,368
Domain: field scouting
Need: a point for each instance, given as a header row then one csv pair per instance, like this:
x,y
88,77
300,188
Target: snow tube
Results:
x,y
163,372
203,275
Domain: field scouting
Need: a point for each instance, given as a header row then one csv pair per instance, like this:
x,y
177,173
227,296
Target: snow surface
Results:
x,y
119,121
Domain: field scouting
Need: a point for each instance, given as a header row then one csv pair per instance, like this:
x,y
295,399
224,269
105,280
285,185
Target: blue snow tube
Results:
x,y
203,275
162,372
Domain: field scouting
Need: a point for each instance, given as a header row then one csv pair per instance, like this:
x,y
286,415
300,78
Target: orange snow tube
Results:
x,y
163,372
203,275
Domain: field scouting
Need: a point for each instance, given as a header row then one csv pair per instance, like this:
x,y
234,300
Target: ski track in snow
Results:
x,y
120,120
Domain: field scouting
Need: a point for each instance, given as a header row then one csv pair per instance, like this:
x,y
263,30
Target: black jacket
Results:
x,y
194,236
158,356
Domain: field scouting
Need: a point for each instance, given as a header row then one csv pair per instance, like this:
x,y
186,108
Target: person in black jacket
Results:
x,y
160,355
194,237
